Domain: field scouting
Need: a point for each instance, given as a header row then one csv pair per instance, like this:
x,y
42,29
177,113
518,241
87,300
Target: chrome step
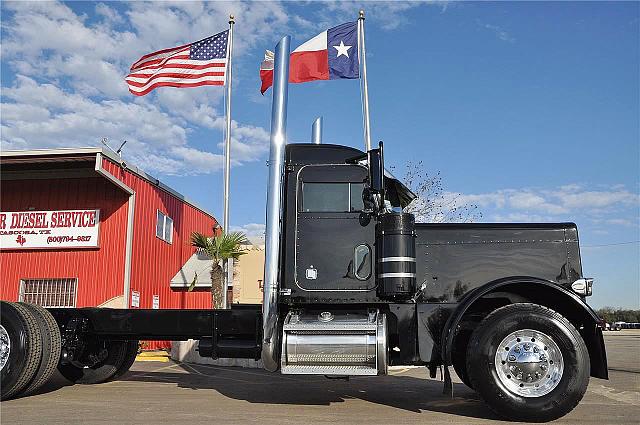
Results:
x,y
329,370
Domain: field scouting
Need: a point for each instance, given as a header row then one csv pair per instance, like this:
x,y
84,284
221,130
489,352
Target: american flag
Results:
x,y
203,63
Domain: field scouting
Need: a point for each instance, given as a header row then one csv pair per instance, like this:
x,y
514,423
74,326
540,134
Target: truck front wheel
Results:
x,y
528,363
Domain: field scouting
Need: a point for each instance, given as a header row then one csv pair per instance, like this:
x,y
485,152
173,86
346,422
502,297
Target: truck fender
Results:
x,y
562,300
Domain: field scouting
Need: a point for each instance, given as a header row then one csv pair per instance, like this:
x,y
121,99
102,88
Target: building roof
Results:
x,y
198,266
66,156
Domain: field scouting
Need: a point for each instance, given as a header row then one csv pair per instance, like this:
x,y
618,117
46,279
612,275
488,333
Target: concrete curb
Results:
x,y
153,356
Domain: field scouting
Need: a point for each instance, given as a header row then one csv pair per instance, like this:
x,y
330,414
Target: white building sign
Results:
x,y
49,229
135,299
156,302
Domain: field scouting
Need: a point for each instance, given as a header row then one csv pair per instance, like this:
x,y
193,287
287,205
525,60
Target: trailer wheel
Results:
x,y
99,362
528,363
129,358
20,348
51,347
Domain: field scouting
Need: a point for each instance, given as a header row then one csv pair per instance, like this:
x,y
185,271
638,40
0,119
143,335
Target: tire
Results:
x,y
101,371
20,328
551,388
51,347
129,358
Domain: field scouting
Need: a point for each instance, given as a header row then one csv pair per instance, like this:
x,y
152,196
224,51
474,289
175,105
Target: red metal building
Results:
x,y
80,227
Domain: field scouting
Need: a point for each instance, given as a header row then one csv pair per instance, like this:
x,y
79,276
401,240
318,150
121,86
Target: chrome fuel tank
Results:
x,y
334,344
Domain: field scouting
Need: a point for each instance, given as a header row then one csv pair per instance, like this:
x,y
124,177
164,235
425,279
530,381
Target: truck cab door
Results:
x,y
334,239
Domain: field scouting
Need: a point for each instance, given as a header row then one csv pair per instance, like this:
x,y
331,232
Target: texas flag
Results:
x,y
330,55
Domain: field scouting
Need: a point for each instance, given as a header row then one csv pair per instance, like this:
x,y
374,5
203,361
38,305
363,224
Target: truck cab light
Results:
x,y
583,286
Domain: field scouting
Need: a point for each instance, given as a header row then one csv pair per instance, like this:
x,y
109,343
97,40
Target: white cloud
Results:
x,y
614,205
251,228
200,162
528,200
598,199
500,33
69,88
63,119
159,25
621,222
110,15
254,232
388,14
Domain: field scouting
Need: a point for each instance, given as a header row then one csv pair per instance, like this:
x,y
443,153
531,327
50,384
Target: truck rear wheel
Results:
x,y
51,347
20,348
99,362
528,363
129,358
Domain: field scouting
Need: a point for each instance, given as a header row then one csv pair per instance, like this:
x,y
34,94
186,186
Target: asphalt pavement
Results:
x,y
161,393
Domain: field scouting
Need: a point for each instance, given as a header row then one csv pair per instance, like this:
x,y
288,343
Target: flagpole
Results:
x,y
362,56
227,157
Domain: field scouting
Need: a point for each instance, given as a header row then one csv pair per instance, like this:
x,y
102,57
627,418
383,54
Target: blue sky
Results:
x,y
529,110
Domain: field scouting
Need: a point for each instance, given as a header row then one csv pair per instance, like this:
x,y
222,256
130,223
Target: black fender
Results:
x,y
556,297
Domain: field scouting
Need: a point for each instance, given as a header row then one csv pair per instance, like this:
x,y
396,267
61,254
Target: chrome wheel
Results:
x,y
5,347
529,363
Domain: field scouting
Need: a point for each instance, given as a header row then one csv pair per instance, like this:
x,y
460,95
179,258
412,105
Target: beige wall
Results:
x,y
249,273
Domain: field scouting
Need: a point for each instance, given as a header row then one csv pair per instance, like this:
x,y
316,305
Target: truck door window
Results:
x,y
357,204
332,197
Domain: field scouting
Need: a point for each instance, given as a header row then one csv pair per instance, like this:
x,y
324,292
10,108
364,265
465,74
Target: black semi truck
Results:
x,y
352,286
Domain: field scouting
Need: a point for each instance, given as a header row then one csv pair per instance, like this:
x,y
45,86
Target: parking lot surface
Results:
x,y
155,392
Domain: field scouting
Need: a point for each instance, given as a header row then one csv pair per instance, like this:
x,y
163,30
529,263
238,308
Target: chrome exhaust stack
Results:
x,y
270,341
316,131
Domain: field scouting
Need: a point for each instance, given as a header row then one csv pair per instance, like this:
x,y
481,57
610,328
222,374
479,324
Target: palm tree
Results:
x,y
220,248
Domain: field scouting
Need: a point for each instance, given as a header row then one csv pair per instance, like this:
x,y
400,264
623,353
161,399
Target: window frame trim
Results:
x,y
164,227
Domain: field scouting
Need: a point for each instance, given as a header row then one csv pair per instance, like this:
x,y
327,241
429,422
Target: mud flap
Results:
x,y
448,384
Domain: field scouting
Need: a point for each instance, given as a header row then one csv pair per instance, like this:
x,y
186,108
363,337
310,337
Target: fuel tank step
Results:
x,y
328,343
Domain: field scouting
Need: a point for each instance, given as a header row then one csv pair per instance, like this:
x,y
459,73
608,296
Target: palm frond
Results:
x,y
222,246
193,283
200,241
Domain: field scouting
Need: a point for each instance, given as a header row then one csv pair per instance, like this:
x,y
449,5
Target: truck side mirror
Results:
x,y
373,195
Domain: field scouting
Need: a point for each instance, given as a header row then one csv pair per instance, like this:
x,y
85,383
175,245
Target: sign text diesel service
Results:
x,y
49,229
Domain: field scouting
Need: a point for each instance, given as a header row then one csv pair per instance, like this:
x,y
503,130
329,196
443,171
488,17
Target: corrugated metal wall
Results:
x,y
100,272
154,261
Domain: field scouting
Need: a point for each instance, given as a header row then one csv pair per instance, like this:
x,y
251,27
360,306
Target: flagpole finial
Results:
x,y
361,14
232,19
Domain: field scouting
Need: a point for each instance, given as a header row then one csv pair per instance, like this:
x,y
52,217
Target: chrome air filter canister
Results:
x,y
396,255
